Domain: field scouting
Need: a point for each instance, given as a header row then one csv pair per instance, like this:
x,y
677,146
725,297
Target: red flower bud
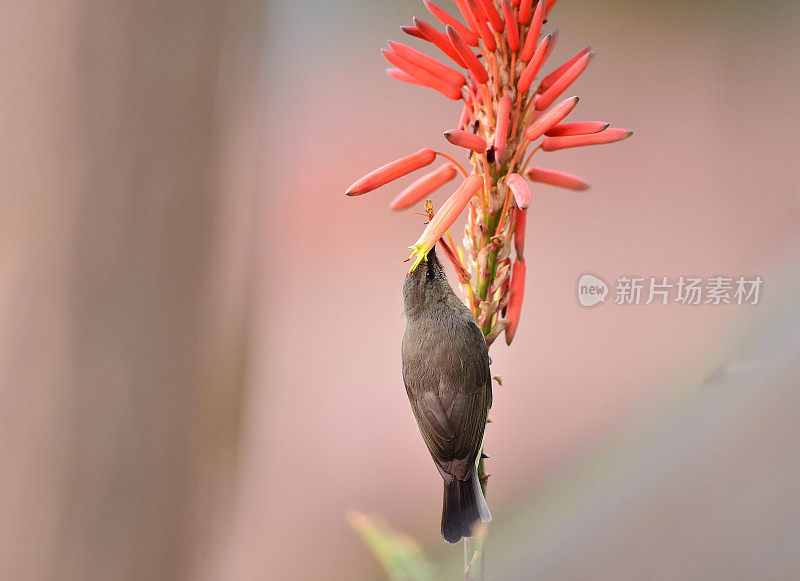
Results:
x,y
527,76
482,28
391,171
469,17
430,64
519,187
401,75
423,76
533,32
517,290
473,64
544,100
556,178
491,14
608,136
440,39
551,78
550,119
413,31
501,133
424,186
512,28
469,37
525,8
466,139
580,128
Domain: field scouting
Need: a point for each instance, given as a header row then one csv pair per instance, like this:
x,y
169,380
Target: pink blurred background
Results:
x,y
627,442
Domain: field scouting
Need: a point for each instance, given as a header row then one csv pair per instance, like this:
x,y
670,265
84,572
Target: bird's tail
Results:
x,y
462,506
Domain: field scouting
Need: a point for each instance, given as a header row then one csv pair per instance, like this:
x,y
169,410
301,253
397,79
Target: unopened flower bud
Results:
x,y
608,136
391,171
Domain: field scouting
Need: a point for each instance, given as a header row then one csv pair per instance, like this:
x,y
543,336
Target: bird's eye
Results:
x,y
430,274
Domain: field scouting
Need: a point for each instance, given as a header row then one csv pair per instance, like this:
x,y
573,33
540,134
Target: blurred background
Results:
x,y
199,356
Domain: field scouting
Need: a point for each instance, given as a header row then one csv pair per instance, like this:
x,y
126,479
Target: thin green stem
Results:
x,y
474,558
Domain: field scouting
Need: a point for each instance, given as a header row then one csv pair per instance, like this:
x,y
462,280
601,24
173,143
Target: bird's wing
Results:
x,y
468,413
450,399
435,426
453,426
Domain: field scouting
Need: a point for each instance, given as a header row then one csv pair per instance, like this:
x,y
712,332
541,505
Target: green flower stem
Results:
x,y
474,554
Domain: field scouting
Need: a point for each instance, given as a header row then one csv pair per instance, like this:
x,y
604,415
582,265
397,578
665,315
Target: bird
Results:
x,y
447,378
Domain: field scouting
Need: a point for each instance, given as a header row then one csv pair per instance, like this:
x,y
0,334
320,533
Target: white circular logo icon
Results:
x,y
591,290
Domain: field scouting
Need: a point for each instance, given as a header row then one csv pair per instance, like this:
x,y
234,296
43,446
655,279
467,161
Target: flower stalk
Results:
x,y
496,55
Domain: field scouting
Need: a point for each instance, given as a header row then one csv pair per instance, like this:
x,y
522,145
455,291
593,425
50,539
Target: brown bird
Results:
x,y
447,378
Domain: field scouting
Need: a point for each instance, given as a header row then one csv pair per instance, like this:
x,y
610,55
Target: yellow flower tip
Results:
x,y
420,254
445,217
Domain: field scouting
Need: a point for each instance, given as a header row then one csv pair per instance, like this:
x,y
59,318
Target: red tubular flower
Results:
x,y
490,12
550,119
579,128
527,76
401,75
551,78
525,8
608,136
428,63
413,31
440,39
533,32
520,218
501,106
517,289
519,187
469,17
469,37
483,29
501,133
444,218
391,171
544,100
473,64
424,186
466,139
512,28
556,178
423,76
